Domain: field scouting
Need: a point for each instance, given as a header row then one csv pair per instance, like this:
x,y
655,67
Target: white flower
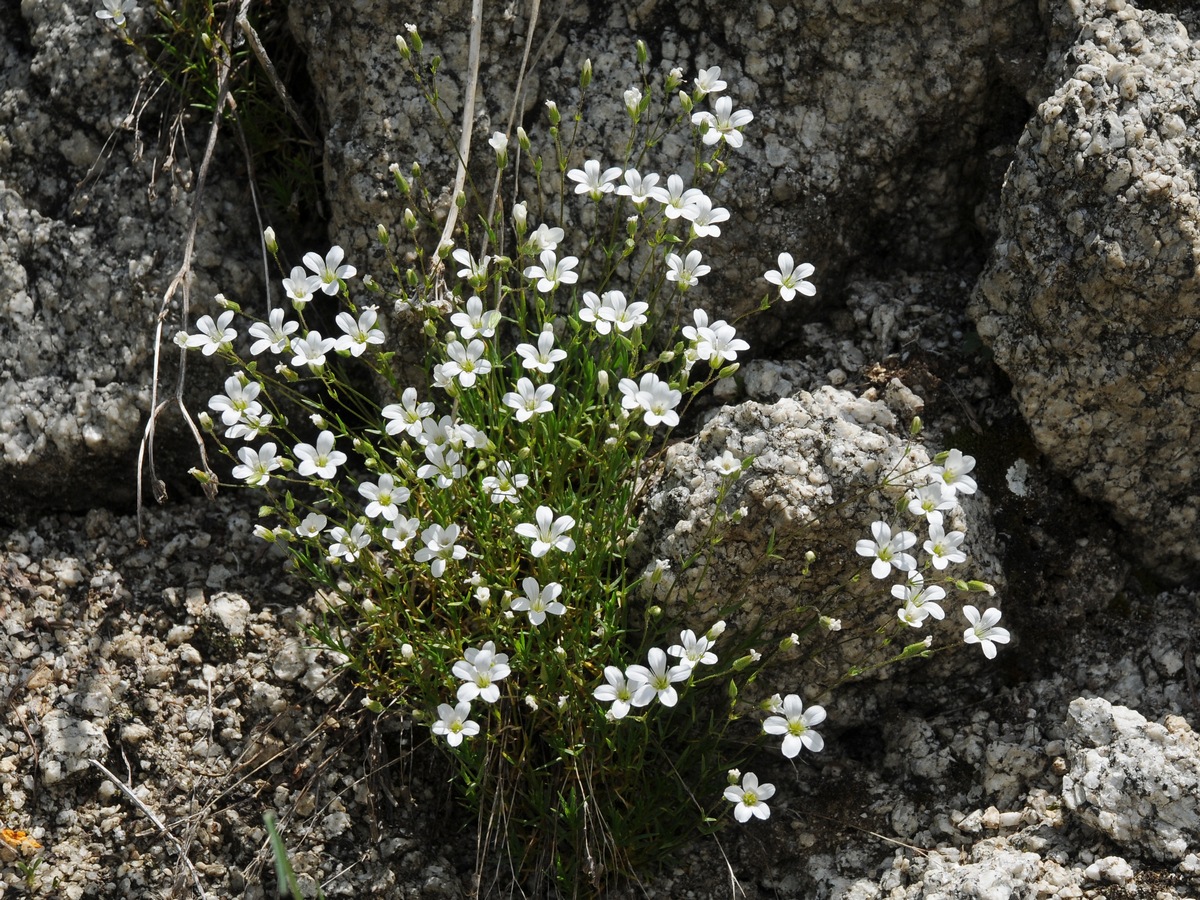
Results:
x,y
638,188
444,466
441,546
314,523
545,238
726,464
475,272
348,546
401,532
708,81
677,203
544,355
406,415
621,689
553,271
538,601
686,272
237,401
943,548
480,670
499,143
250,426
692,650
632,97
384,495
213,335
659,680
796,724
549,532
310,350
750,799
705,217
983,630
655,397
790,278
504,485
300,285
591,181
887,550
929,500
953,472
452,721
273,334
116,10
722,123
321,460
257,465
528,400
466,363
913,593
330,269
359,333
475,320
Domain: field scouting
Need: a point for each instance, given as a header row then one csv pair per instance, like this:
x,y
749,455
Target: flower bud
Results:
x,y
520,215
742,662
685,102
915,428
402,46
633,99
585,76
729,370
552,112
417,43
206,423
382,234
406,651
262,531
654,612
602,383
523,139
499,143
200,476
830,624
734,776
446,247
410,219
269,238
716,631
460,200
643,52
674,79
789,642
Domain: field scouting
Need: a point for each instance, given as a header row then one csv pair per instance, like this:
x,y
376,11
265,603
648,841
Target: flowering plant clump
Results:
x,y
469,532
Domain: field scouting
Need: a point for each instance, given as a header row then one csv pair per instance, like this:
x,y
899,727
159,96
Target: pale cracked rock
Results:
x,y
817,460
1090,300
1136,781
67,745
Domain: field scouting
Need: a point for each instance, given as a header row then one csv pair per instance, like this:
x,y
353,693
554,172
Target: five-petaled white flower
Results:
x,y
706,217
750,799
272,334
621,691
722,123
441,546
499,143
686,271
504,485
553,271
475,272
591,181
406,415
549,532
314,523
402,531
692,650
953,472
384,495
348,545
930,500
538,601
659,680
655,397
640,189
726,464
474,320
480,670
544,355
887,550
529,400
545,238
213,336
790,278
359,333
708,81
677,202
237,401
920,600
321,460
984,631
257,465
796,724
300,285
330,269
943,547
466,363
310,350
116,10
452,722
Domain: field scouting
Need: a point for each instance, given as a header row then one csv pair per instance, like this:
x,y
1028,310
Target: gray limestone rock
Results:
x,y
1090,300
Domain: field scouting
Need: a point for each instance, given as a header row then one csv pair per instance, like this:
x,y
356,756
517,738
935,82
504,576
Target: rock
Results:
x,y
818,459
67,745
1090,300
1136,781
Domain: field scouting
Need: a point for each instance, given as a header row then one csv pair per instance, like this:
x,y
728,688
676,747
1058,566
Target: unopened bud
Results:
x,y
523,139
552,112
206,423
402,46
520,214
585,76
915,428
410,219
602,382
269,238
716,631
643,52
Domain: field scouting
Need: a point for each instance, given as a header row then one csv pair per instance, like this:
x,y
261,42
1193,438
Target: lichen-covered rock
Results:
x,y
92,224
1090,300
1136,781
813,486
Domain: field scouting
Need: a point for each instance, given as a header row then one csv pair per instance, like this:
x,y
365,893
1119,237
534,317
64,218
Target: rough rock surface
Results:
x,y
92,221
818,461
1090,300
1136,781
